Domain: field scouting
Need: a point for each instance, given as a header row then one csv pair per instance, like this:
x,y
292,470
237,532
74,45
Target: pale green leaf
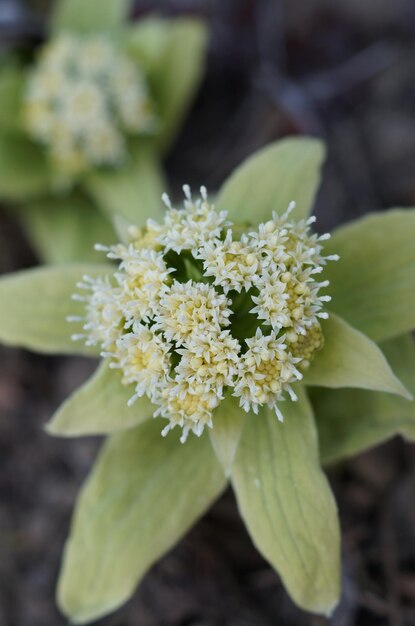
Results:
x,y
228,420
350,421
350,359
287,505
12,79
133,192
373,284
146,41
88,16
122,228
35,304
172,52
24,171
144,493
285,171
64,229
100,407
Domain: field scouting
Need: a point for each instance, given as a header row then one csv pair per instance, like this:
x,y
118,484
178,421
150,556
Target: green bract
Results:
x,y
145,491
84,127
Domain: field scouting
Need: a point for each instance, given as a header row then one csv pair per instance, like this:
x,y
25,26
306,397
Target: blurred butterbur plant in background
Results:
x,y
84,128
248,338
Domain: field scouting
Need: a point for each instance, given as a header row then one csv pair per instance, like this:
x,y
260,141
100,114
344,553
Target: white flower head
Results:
x,y
289,299
104,145
83,106
187,310
192,226
144,360
197,308
266,370
209,361
97,57
186,409
143,278
104,316
233,264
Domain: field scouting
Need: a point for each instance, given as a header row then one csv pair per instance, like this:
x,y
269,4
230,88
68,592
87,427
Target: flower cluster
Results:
x,y
81,99
197,309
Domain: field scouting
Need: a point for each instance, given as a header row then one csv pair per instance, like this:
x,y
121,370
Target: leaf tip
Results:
x,y
54,428
407,394
329,611
49,428
402,391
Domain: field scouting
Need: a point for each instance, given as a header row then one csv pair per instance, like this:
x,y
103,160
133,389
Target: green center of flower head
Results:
x,y
198,308
81,98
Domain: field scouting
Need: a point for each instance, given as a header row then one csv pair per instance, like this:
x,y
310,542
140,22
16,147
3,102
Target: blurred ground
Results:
x,y
343,71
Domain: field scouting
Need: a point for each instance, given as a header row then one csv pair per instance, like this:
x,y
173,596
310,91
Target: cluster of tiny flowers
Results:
x,y
81,99
197,309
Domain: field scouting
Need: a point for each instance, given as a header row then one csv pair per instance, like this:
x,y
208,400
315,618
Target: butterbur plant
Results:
x,y
197,310
85,126
247,336
80,99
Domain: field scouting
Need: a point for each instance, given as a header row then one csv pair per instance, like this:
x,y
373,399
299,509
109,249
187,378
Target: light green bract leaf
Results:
x,y
35,305
66,229
172,53
228,420
144,493
133,192
285,171
287,505
122,228
12,79
350,359
24,171
90,16
100,407
146,42
373,284
350,421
